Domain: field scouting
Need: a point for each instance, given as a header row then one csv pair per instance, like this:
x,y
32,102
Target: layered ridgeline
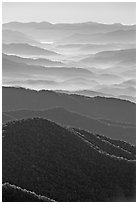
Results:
x,y
120,131
114,118
67,164
107,73
97,107
87,32
25,49
38,61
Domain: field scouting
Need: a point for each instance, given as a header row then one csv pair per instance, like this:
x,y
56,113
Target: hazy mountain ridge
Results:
x,y
91,93
11,36
27,75
25,49
94,26
108,37
31,61
117,57
59,75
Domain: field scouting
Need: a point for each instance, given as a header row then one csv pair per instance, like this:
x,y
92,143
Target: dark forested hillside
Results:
x,y
108,146
12,193
97,107
66,164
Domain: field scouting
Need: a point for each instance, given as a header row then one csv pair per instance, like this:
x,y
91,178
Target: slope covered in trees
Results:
x,y
63,165
12,193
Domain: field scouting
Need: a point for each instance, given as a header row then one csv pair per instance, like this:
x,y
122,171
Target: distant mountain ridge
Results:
x,y
61,31
96,107
43,25
116,57
108,37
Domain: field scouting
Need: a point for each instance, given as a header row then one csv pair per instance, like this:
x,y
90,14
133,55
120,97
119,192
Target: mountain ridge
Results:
x,y
98,107
58,115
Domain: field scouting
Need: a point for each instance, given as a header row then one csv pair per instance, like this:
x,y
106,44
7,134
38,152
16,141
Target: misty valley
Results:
x,y
68,112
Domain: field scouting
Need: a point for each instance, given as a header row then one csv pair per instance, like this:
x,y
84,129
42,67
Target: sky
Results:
x,y
70,12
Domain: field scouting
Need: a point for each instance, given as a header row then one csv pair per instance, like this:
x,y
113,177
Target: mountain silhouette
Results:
x,y
94,26
96,107
67,118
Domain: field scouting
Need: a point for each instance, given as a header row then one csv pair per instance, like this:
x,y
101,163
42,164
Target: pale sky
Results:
x,y
70,12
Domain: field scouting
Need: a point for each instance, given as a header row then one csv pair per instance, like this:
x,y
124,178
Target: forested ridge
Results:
x,y
60,165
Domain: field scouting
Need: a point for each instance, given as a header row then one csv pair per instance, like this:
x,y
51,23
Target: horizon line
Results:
x,y
82,22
